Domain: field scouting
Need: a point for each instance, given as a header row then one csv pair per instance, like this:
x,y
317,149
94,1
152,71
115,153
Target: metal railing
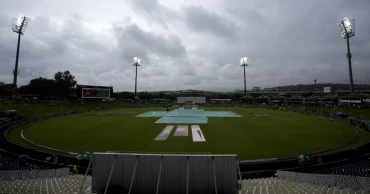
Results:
x,y
332,180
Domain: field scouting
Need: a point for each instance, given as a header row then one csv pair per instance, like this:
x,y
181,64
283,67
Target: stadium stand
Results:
x,y
19,176
357,168
8,163
63,184
284,186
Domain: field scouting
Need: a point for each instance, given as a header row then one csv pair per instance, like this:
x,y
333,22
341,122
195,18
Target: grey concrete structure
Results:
x,y
164,173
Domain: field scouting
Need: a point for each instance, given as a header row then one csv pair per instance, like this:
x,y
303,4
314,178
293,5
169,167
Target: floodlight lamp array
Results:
x,y
243,61
347,27
20,24
137,61
20,19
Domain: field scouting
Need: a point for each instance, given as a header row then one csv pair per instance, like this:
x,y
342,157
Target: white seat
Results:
x,y
275,186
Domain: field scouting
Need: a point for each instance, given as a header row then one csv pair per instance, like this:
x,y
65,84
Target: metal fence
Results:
x,y
167,173
332,180
11,175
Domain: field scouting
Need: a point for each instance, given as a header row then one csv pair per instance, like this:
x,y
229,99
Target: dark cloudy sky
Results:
x,y
189,44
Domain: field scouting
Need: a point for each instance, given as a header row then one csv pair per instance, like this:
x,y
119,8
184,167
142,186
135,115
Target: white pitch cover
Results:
x,y
197,134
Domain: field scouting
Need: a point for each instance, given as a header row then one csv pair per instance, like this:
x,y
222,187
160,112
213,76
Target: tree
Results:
x,y
237,96
126,95
145,95
255,95
161,95
41,86
222,96
24,90
4,91
64,82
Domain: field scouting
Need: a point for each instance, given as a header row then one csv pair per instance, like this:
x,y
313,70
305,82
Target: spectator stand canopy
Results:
x,y
350,99
330,99
366,98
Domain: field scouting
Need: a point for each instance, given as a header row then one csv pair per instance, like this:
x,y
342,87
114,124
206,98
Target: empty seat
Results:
x,y
8,163
281,186
354,168
65,184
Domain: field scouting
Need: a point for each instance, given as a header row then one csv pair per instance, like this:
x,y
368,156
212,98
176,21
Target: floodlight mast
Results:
x,y
243,63
136,63
348,30
19,26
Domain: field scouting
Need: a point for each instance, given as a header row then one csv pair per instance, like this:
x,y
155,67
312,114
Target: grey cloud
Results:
x,y
41,24
146,5
5,22
201,20
158,73
43,52
154,11
187,70
305,34
14,5
194,46
133,41
193,81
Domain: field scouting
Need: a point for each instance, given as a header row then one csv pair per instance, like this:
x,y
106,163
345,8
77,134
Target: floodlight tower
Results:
x,y
347,28
19,26
136,63
243,63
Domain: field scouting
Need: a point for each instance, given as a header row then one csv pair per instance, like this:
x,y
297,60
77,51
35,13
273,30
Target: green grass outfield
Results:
x,y
34,110
251,137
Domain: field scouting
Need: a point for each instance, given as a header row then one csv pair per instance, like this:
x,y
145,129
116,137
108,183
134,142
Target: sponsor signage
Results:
x,y
95,93
327,90
197,134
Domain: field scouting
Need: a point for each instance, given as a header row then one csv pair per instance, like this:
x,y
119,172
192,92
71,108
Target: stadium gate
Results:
x,y
163,173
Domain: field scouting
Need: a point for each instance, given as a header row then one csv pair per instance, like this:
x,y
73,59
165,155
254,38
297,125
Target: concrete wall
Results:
x,y
197,100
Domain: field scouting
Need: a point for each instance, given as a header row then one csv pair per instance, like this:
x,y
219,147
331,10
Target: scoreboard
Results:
x,y
86,91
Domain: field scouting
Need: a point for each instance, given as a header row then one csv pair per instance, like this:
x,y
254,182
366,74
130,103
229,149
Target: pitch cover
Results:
x,y
182,130
165,133
197,134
